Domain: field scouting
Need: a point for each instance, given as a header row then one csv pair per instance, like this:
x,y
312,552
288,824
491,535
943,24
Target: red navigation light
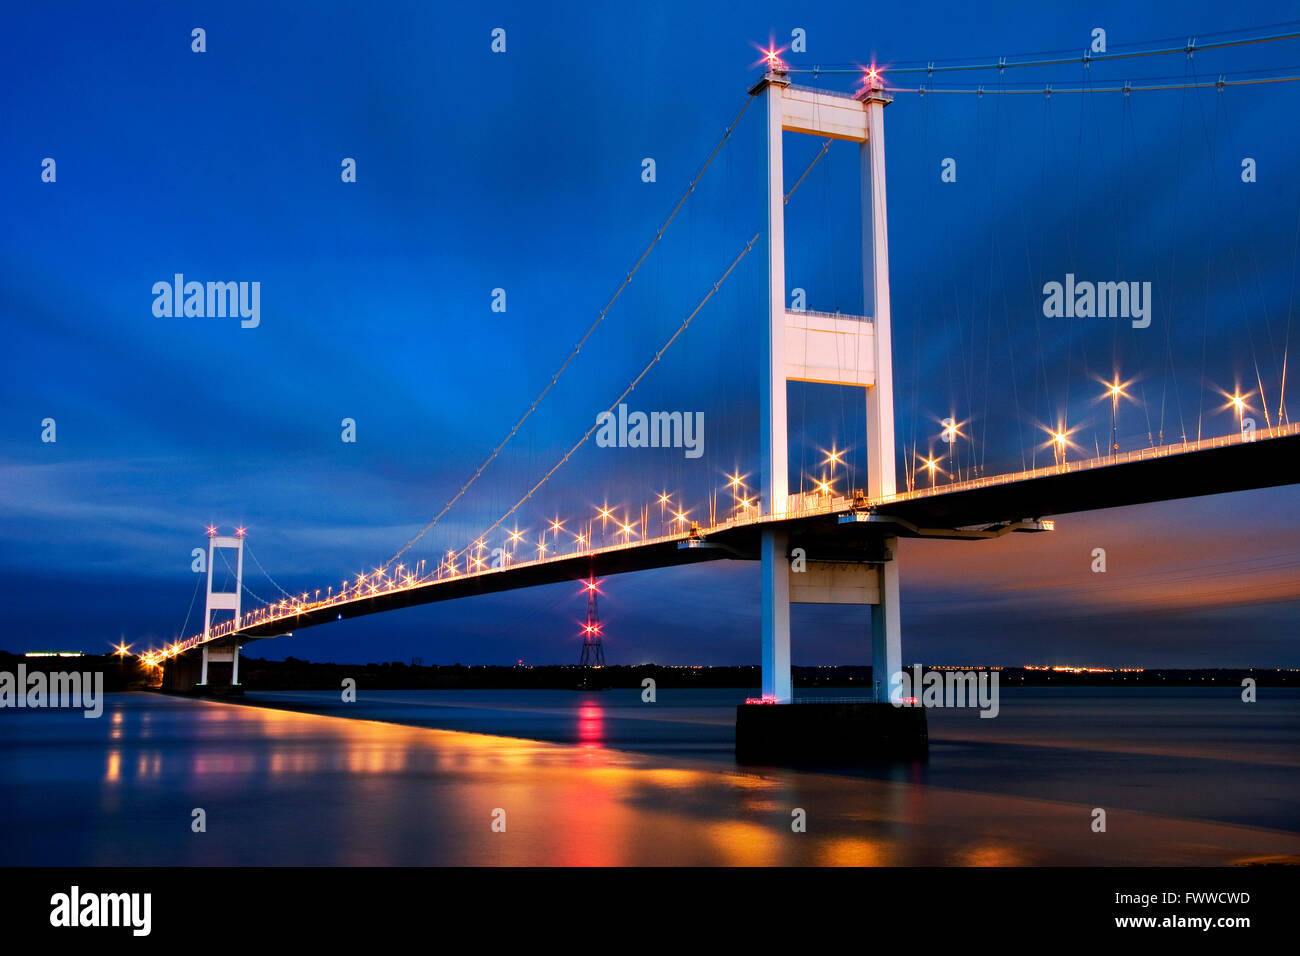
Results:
x,y
771,57
212,531
239,532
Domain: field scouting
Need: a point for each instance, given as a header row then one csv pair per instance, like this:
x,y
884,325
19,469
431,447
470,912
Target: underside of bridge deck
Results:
x,y
1238,467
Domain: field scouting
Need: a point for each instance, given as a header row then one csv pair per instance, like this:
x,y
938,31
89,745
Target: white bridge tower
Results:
x,y
223,601
809,346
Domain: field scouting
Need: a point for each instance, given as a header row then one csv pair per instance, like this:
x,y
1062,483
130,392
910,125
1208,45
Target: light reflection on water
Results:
x,y
281,787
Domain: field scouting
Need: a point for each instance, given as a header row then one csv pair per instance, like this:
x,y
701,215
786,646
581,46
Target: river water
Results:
x,y
1184,775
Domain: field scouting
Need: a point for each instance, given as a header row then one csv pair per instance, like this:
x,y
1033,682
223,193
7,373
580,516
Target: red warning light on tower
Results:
x,y
593,650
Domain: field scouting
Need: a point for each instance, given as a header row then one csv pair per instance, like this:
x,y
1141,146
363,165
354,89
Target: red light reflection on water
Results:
x,y
591,725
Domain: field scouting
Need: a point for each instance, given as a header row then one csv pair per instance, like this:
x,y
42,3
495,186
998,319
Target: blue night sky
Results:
x,y
522,171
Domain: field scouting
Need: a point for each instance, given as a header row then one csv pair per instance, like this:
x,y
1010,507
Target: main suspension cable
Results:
x,y
636,381
581,342
1126,88
1087,58
265,572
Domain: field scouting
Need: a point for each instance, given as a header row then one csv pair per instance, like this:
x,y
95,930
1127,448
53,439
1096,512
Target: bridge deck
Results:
x,y
1191,469
1187,470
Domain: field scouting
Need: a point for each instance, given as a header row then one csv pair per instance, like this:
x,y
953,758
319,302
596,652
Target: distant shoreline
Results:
x,y
295,674
292,674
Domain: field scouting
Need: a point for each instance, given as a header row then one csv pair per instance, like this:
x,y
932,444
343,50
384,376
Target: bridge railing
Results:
x,y
830,315
1085,464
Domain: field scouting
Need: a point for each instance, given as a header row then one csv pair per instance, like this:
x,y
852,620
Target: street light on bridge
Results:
x,y
1114,391
931,465
736,484
1237,401
949,434
1060,441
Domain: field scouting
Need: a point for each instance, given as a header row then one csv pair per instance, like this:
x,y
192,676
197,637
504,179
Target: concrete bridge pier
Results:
x,y
181,673
886,628
864,580
776,617
207,670
777,729
229,654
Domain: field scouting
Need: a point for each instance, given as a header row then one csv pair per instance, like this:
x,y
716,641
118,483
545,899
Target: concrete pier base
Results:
x,y
829,733
182,675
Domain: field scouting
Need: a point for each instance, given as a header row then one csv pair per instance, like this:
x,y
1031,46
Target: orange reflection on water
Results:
x,y
390,794
296,761
745,844
852,851
990,854
750,781
565,805
376,759
671,778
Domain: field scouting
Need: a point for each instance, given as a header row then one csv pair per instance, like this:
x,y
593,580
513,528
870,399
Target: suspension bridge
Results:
x,y
848,536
